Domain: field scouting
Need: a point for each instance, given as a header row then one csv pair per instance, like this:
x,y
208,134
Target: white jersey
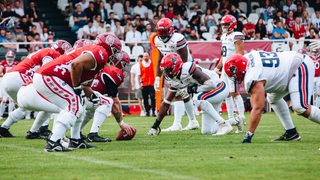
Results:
x,y
275,68
228,47
176,42
185,79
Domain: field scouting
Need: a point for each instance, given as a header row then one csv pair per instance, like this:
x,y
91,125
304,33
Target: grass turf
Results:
x,y
174,155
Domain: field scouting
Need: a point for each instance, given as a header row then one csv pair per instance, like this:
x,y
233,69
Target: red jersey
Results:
x,y
35,60
316,62
6,67
298,32
61,66
251,28
101,84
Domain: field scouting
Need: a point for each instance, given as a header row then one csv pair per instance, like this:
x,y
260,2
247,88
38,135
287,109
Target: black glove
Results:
x,y
192,89
78,90
95,99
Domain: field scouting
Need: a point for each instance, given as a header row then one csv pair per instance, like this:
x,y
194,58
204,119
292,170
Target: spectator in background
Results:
x,y
108,29
9,12
123,21
128,8
45,33
10,39
136,19
111,20
50,39
249,30
299,11
69,10
36,47
316,21
128,26
18,31
213,5
305,20
234,11
166,5
25,24
187,32
79,18
279,15
313,34
225,6
177,22
141,26
2,35
194,36
133,36
145,37
298,29
170,13
289,6
289,22
159,10
119,30
267,10
91,11
195,23
102,11
89,31
17,8
193,12
140,9
261,30
32,12
97,20
279,32
271,25
135,84
240,21
101,27
84,4
153,23
147,78
180,7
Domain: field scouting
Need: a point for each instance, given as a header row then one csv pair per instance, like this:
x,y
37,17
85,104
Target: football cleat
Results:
x,y
247,138
79,144
192,126
94,137
174,127
240,123
33,135
52,146
4,132
154,132
289,135
224,128
44,132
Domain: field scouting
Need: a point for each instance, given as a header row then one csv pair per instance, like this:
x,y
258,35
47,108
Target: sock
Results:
x,y
190,110
315,114
98,119
58,131
39,121
2,107
178,111
282,110
46,122
209,126
230,106
10,106
76,129
88,116
13,117
240,105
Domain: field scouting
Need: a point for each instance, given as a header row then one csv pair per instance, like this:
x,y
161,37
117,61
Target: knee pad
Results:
x,y
104,109
66,118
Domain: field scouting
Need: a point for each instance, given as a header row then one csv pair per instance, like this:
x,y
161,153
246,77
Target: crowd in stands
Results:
x,y
27,26
133,21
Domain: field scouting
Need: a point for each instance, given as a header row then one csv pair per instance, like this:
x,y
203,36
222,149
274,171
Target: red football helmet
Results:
x,y
171,65
121,60
10,56
235,67
110,42
61,46
164,29
82,42
228,23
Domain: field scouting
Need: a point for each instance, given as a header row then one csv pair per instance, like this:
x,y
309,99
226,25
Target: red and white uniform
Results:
x,y
316,61
53,81
24,71
6,68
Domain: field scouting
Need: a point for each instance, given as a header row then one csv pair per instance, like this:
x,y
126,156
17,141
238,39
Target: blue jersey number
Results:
x,y
224,51
269,59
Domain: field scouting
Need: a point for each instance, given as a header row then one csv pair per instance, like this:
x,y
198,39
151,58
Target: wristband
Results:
x,y
121,123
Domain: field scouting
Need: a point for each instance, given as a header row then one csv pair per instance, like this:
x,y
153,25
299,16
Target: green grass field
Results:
x,y
175,155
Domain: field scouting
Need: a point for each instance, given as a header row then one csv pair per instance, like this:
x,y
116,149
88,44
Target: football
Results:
x,y
122,135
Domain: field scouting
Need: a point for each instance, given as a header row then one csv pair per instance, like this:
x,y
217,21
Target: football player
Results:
x,y
5,66
232,43
106,83
210,92
168,41
22,73
315,56
276,74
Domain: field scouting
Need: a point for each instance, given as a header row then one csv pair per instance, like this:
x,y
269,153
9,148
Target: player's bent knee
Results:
x,y
67,118
299,110
103,109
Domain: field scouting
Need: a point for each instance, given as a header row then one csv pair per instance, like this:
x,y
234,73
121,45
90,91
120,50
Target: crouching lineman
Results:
x,y
22,73
106,83
276,74
180,75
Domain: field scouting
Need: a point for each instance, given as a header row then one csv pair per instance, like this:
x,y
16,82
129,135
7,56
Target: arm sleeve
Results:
x,y
111,87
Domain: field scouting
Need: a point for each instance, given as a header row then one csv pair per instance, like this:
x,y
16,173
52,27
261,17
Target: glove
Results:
x,y
156,84
78,91
192,89
95,99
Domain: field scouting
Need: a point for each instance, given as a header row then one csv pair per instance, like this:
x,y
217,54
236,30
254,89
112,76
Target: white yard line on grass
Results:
x,y
68,155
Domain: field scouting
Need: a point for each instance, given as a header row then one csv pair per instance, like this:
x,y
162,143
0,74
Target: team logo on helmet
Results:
x,y
110,40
